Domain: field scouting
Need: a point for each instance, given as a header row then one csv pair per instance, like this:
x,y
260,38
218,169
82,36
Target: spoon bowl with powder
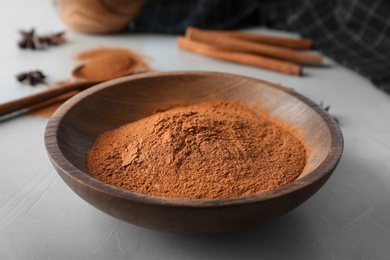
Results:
x,y
195,152
100,65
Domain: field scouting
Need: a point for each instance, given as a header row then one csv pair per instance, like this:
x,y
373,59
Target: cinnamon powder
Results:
x,y
104,64
201,151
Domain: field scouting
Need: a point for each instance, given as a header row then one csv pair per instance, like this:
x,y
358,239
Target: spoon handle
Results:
x,y
18,104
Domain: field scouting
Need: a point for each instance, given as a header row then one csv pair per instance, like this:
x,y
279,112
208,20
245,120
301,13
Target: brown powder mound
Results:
x,y
89,54
107,66
105,63
202,151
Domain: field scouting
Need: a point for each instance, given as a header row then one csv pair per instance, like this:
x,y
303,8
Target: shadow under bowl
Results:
x,y
72,130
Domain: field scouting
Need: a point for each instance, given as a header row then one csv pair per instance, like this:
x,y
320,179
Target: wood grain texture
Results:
x,y
98,16
72,130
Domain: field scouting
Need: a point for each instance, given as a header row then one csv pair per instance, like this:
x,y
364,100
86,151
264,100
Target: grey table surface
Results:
x,y
41,218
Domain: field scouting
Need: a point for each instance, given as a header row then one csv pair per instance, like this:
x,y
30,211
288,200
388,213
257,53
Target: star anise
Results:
x,y
327,108
32,77
29,40
53,38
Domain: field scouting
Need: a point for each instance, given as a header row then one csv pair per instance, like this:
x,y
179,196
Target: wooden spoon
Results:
x,y
79,83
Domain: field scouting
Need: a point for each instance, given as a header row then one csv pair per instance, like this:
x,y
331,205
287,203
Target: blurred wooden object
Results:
x,y
97,16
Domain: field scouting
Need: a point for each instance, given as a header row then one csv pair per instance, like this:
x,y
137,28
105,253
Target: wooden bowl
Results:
x,y
97,16
74,127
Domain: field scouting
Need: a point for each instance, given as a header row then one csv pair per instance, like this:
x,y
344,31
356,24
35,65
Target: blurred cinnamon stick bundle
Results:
x,y
268,52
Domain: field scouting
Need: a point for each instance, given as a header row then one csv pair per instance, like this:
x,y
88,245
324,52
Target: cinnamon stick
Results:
x,y
233,44
24,102
298,43
239,57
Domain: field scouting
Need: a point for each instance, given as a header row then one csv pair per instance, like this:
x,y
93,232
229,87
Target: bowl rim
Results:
x,y
324,170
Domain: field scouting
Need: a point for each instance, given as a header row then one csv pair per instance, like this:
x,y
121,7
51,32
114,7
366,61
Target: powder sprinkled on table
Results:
x,y
200,151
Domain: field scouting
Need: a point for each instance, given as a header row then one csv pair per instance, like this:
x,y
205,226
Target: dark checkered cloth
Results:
x,y
355,33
